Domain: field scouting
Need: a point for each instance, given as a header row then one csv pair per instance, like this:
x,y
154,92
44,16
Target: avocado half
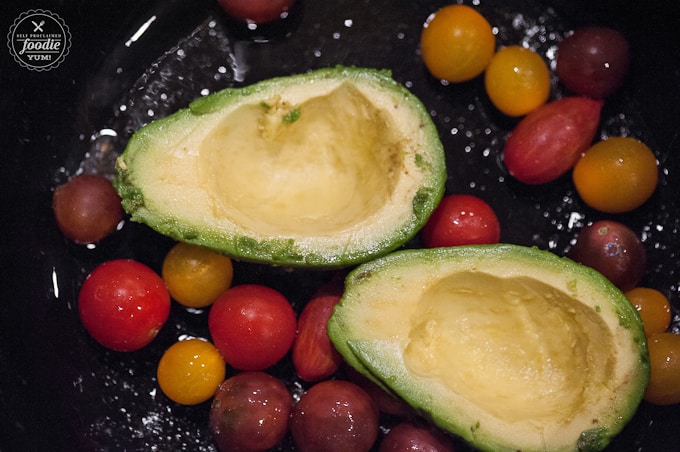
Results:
x,y
324,169
508,347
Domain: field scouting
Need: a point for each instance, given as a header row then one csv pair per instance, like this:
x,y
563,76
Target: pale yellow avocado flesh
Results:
x,y
324,169
322,172
510,348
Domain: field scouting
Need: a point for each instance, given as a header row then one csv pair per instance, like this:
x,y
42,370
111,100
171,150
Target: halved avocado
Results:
x,y
511,348
325,169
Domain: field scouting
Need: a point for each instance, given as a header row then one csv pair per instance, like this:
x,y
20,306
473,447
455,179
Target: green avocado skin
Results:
x,y
373,357
276,249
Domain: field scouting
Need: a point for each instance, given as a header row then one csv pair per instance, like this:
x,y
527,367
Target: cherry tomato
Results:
x,y
461,220
123,304
517,80
334,416
616,175
547,142
253,326
664,359
257,11
314,356
593,61
190,371
614,250
250,412
653,307
406,436
457,43
87,208
195,276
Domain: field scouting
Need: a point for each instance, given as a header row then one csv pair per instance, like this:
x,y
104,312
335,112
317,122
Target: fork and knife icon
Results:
x,y
38,27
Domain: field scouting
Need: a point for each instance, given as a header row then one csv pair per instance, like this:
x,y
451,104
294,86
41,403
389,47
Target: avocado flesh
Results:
x,y
325,169
510,348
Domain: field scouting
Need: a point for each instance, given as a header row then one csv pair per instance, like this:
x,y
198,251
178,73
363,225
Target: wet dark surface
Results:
x,y
60,390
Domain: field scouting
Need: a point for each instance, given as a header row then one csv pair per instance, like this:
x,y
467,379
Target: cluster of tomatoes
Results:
x,y
123,303
614,175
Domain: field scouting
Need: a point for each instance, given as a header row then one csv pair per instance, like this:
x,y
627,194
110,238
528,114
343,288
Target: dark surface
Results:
x,y
59,390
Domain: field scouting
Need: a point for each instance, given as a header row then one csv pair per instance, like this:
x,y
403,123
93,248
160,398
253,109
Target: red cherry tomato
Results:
x,y
123,304
549,141
258,11
461,220
593,61
253,326
87,208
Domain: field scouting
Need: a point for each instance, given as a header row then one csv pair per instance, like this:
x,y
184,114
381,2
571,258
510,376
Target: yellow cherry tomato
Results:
x,y
653,307
457,43
517,80
190,371
664,360
196,276
616,175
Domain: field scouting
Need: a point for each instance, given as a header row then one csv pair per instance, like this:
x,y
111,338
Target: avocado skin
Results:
x,y
282,250
367,355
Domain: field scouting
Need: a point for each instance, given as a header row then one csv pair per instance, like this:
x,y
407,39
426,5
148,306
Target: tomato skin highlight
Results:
x,y
457,43
461,220
123,304
253,326
548,142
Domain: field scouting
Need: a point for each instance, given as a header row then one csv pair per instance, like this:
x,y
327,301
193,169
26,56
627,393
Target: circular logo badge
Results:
x,y
39,40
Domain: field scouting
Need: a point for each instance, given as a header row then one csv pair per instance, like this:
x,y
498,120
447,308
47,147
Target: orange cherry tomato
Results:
x,y
196,276
653,307
664,359
517,80
190,371
457,43
616,175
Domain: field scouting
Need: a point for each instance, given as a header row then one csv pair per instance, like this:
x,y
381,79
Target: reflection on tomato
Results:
x,y
457,43
123,304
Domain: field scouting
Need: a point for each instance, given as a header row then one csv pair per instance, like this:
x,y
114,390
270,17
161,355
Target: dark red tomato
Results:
x,y
461,220
314,356
123,304
407,437
87,208
387,403
258,11
250,412
334,416
593,61
548,142
253,326
614,250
